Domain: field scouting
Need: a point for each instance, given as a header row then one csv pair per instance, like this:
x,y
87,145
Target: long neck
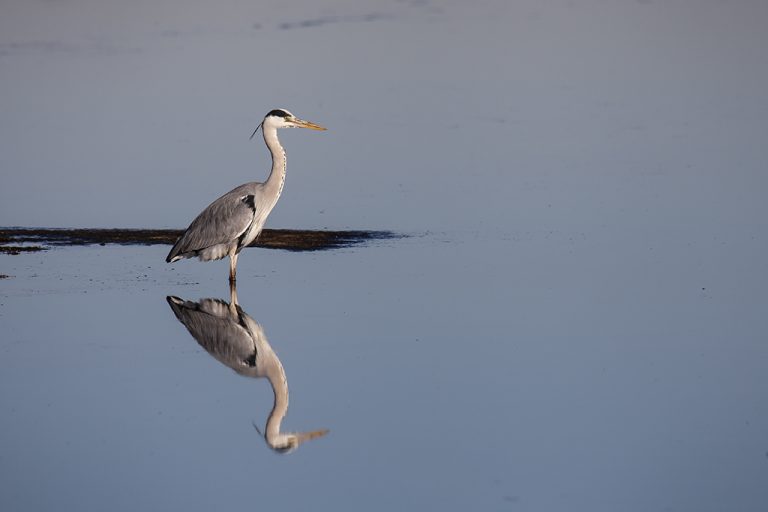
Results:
x,y
276,180
279,383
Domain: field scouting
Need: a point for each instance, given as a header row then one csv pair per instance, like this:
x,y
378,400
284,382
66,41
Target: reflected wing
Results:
x,y
218,328
222,222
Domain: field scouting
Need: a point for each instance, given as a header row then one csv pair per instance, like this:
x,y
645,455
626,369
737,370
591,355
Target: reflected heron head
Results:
x,y
288,442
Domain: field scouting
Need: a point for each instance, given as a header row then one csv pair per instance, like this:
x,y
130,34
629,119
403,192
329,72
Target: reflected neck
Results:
x,y
279,383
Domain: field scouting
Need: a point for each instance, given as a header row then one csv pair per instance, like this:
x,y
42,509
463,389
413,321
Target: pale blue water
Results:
x,y
577,321
452,371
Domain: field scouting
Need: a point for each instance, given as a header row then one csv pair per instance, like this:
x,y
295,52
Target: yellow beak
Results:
x,y
300,123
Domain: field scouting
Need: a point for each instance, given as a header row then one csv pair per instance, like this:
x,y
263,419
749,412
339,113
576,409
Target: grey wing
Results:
x,y
220,224
218,330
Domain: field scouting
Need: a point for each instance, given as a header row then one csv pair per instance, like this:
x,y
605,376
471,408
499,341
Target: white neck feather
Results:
x,y
276,181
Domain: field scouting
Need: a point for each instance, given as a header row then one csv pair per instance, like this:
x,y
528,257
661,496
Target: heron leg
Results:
x,y
232,293
232,267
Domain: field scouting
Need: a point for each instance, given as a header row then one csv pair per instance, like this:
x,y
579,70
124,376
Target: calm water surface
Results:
x,y
452,371
577,322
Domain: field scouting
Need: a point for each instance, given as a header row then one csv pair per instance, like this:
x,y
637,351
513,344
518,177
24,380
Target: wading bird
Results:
x,y
235,219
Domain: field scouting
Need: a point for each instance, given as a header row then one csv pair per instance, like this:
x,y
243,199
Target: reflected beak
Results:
x,y
300,123
306,436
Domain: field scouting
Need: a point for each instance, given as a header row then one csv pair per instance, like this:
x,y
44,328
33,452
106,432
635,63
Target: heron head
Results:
x,y
281,118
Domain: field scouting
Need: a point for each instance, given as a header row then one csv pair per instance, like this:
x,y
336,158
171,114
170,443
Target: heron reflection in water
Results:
x,y
235,339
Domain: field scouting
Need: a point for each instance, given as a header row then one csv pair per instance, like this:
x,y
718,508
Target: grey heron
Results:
x,y
236,340
235,219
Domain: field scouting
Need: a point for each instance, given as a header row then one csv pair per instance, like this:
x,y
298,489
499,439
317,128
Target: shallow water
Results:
x,y
452,370
576,321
